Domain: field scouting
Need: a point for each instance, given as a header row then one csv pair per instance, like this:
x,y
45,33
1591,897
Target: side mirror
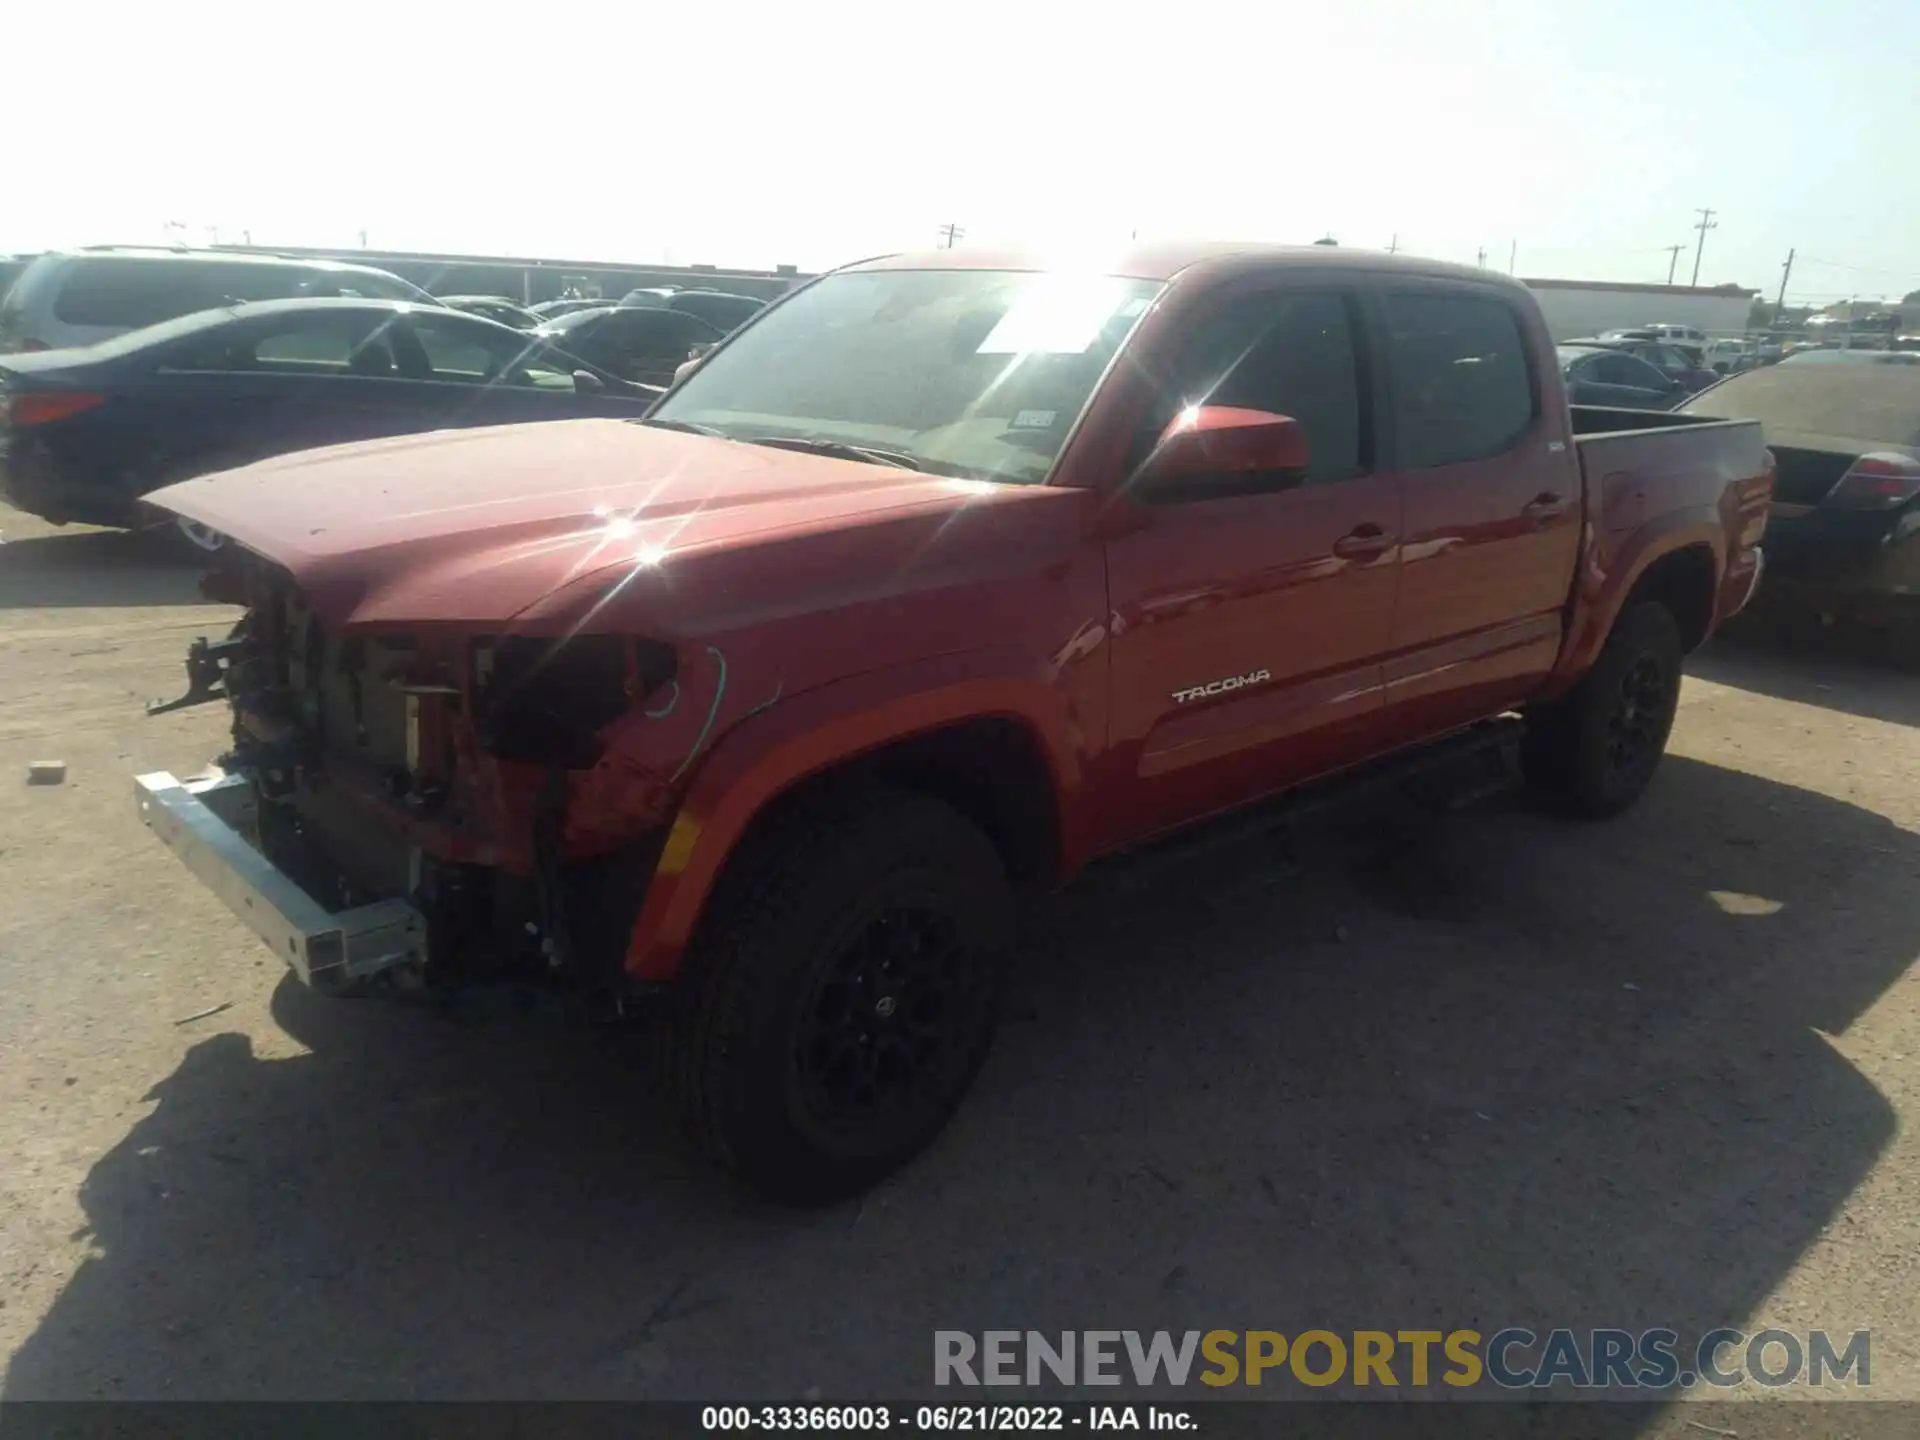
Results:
x,y
1212,451
585,382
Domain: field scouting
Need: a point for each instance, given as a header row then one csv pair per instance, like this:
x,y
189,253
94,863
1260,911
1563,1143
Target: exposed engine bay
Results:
x,y
438,767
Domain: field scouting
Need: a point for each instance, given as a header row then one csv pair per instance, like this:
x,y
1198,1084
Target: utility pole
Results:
x,y
1673,259
363,239
1393,245
1706,224
1781,303
1513,255
1481,259
949,233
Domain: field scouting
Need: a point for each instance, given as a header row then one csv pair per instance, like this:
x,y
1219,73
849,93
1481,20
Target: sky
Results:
x,y
1575,140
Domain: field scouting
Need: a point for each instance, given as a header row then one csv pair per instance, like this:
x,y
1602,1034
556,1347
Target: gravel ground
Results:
x,y
1471,1071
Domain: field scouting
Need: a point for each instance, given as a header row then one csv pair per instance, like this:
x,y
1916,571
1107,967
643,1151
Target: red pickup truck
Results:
x,y
941,578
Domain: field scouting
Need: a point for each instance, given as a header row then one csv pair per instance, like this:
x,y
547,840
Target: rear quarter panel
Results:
x,y
1650,492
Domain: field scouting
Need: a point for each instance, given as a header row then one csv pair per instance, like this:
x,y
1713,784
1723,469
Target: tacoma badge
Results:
x,y
1221,687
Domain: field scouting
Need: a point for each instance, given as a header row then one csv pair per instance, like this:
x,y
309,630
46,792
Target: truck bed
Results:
x,y
1625,450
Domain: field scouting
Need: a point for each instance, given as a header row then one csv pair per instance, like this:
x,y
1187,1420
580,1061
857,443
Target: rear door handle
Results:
x,y
1543,506
1363,542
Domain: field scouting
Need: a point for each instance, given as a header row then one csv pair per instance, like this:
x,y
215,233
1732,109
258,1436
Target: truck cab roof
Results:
x,y
1165,260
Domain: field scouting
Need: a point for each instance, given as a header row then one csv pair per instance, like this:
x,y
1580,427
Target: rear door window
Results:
x,y
479,354
1461,383
1625,370
331,343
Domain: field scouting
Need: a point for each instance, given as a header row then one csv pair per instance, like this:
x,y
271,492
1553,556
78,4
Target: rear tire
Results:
x,y
1596,749
842,992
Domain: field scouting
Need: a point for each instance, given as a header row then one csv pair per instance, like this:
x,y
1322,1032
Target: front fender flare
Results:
x,y
770,753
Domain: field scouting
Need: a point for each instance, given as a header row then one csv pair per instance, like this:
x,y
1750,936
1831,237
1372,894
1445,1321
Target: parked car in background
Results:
x,y
1844,534
1906,343
1670,359
1687,336
645,346
10,268
719,309
85,433
496,308
547,310
1729,355
77,297
1603,375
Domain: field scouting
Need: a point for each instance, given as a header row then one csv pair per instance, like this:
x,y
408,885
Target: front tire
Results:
x,y
1596,749
842,992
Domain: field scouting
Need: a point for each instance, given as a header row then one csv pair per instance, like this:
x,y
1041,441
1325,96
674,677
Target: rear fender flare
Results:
x,y
806,735
1610,568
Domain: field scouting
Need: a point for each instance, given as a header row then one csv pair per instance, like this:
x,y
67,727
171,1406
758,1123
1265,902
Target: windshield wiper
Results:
x,y
839,450
688,427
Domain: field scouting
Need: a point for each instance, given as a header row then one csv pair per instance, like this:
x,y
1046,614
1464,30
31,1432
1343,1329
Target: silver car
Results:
x,y
80,297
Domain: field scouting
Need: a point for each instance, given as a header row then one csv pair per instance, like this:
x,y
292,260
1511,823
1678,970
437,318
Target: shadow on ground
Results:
x,y
104,568
1483,1070
1839,667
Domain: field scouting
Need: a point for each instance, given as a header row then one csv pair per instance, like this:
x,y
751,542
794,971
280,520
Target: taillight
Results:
x,y
1877,482
43,407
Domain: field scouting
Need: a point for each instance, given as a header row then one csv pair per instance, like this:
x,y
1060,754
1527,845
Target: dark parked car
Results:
x,y
1844,533
84,433
491,307
1671,360
723,311
1602,375
645,346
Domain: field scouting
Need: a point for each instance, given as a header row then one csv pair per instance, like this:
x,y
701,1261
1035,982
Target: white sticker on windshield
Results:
x,y
1055,315
1033,420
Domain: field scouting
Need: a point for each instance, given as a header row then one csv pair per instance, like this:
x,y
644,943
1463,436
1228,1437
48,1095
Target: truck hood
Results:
x,y
483,525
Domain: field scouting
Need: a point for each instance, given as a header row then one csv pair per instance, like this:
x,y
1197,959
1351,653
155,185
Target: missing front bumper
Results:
x,y
206,822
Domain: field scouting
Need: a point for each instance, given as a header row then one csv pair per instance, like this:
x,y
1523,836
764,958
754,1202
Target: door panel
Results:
x,y
1246,648
1492,508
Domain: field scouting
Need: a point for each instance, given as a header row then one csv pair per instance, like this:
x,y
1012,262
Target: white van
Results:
x,y
79,297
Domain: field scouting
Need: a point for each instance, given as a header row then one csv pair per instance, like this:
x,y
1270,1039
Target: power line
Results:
x,y
1858,269
1706,223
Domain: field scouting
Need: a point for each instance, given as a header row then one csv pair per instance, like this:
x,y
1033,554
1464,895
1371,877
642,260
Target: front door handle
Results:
x,y
1543,506
1363,542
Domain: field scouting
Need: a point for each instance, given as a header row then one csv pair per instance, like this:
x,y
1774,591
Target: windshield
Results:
x,y
977,373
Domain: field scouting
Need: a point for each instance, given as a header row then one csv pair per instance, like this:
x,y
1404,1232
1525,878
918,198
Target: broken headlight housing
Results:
x,y
543,701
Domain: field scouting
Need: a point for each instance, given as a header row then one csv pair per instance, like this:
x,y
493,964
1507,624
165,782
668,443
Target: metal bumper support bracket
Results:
x,y
205,822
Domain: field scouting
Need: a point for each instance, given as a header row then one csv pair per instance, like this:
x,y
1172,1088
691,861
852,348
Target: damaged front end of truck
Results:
x,y
437,805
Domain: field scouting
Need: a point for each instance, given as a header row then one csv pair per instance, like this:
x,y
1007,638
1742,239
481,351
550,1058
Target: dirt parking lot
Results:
x,y
1471,1071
